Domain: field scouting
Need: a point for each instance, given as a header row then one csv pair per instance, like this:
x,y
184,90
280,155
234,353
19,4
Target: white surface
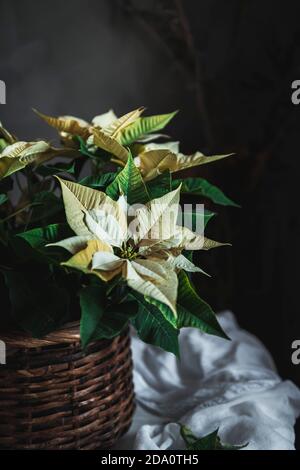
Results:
x,y
230,385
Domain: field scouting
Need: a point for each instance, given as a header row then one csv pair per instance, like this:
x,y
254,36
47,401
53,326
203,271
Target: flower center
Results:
x,y
128,252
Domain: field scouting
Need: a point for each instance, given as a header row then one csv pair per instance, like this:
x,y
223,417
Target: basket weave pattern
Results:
x,y
54,395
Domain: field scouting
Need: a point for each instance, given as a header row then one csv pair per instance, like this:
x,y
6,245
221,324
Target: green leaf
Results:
x,y
98,321
201,187
98,181
209,442
40,237
164,309
3,144
34,243
153,328
193,311
189,254
110,144
38,305
160,186
98,155
49,170
3,199
116,318
144,125
129,182
83,147
92,303
45,206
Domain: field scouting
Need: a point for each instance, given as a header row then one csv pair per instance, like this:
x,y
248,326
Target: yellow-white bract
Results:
x,y
16,154
114,135
105,129
145,248
155,159
20,154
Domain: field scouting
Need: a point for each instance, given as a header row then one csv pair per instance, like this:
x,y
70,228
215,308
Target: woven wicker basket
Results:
x,y
55,396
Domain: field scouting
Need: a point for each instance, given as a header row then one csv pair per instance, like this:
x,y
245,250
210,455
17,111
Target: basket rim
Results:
x,y
67,333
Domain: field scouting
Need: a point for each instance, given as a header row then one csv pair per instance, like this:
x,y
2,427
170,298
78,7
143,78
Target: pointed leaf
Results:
x,y
98,181
172,146
209,442
160,186
67,124
10,161
77,200
153,279
201,187
145,125
17,156
83,260
3,144
33,243
164,310
72,244
153,328
129,182
109,144
196,159
51,170
98,321
181,262
193,311
158,218
188,240
92,303
40,237
154,162
120,124
116,318
6,136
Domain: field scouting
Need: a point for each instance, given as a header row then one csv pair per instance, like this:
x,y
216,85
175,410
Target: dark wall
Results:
x,y
228,66
79,57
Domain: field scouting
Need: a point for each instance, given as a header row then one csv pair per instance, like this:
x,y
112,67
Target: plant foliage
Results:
x,y
108,248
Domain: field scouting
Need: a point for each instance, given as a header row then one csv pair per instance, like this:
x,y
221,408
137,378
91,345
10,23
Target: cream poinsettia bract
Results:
x,y
16,154
114,134
155,159
104,131
145,248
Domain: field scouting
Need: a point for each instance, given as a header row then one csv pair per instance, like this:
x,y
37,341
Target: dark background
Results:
x,y
228,66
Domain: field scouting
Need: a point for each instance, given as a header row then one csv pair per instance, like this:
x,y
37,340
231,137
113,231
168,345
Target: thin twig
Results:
x,y
18,212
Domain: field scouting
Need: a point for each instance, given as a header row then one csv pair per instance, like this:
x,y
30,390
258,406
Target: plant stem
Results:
x,y
18,212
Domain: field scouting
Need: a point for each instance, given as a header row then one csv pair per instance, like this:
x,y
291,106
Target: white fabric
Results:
x,y
230,385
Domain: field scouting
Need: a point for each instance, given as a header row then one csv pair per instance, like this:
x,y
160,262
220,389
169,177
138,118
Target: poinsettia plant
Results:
x,y
112,248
